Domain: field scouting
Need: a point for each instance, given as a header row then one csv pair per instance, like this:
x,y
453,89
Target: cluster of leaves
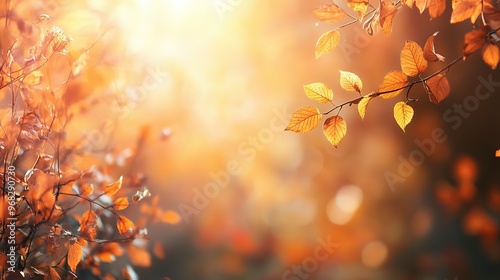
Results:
x,y
414,59
67,204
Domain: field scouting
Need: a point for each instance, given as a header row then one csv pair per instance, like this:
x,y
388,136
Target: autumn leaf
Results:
x,y
409,3
436,7
490,12
75,252
359,6
121,203
438,87
114,188
473,41
350,81
87,189
327,42
412,59
125,226
421,5
387,12
393,83
335,128
319,92
88,224
362,105
158,251
403,113
491,55
52,275
465,9
329,13
34,78
429,50
139,256
304,120
170,217
497,153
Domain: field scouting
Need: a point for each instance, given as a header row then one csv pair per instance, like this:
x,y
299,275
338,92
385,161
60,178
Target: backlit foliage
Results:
x,y
414,59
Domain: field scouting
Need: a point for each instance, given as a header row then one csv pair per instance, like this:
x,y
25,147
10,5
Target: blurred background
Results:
x,y
195,96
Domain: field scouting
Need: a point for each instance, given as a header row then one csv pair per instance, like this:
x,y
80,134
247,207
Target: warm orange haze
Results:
x,y
249,139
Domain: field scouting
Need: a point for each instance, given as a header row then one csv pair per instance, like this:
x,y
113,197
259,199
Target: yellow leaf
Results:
x,y
439,88
363,103
465,9
121,203
335,128
304,120
75,252
350,81
412,59
114,188
436,7
329,13
387,12
125,226
327,42
429,50
473,41
319,92
421,5
359,6
34,78
393,83
409,3
491,55
403,113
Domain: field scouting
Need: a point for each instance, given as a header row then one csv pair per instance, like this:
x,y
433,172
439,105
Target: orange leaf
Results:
x,y
350,81
387,12
497,153
114,188
429,50
473,41
52,275
87,189
158,250
88,224
363,103
75,252
125,226
171,217
327,42
359,6
412,59
335,128
403,113
121,203
436,7
409,3
392,84
491,55
139,256
329,13
438,87
465,9
319,92
304,119
421,5
490,12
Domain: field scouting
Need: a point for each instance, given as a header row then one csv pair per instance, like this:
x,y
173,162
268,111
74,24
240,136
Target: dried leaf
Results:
x,y
121,203
114,188
75,252
403,113
465,9
125,226
438,87
327,42
319,92
412,59
387,12
335,128
436,8
359,6
429,50
304,119
329,13
350,81
393,83
491,55
363,103
473,41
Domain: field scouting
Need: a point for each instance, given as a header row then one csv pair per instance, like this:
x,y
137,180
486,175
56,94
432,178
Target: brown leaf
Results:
x,y
438,87
75,252
412,59
387,12
403,113
436,8
491,55
335,128
350,81
121,203
465,9
359,6
429,50
473,41
304,120
327,42
329,13
362,105
125,226
114,188
392,84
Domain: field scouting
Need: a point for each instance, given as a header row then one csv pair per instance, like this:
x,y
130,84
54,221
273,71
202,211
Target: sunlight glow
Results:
x,y
374,254
342,207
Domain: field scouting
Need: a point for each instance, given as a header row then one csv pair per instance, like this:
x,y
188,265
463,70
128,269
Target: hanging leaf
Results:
x,y
403,113
359,6
87,189
363,103
304,120
387,12
473,41
421,5
393,83
125,226
329,13
412,59
491,55
429,50
409,3
121,203
75,252
319,92
88,225
465,9
438,87
114,188
350,81
335,128
436,7
327,42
